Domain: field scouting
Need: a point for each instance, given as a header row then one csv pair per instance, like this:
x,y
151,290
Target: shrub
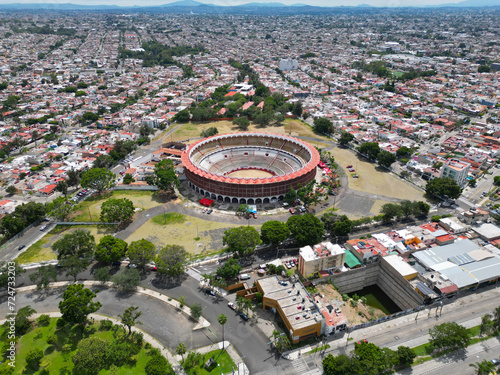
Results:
x,y
34,357
354,303
60,323
52,340
43,320
345,297
105,325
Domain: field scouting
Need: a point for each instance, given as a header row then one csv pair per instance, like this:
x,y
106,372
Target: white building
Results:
x,y
457,170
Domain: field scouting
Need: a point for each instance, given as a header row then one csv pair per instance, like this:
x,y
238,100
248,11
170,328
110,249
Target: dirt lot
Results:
x,y
372,180
290,127
196,235
351,313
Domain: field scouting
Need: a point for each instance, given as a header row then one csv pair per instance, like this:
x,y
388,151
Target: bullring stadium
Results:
x,y
251,168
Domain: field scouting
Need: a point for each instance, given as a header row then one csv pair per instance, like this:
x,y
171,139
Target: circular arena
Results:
x,y
251,168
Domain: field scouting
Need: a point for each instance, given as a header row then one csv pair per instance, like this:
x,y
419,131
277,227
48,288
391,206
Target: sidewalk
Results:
x,y
202,322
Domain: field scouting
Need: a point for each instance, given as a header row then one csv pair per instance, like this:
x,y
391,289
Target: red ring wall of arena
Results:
x,y
258,190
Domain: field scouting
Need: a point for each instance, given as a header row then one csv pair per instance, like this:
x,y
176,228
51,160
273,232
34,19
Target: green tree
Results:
x,y
371,357
99,179
62,187
242,209
89,118
229,269
171,261
102,274
117,210
484,367
404,152
449,336
11,189
34,357
340,365
77,304
297,109
128,279
42,276
496,180
181,349
73,177
342,227
128,179
291,196
370,149
60,208
443,186
486,324
141,252
77,243
129,318
110,249
484,69
90,356
181,116
73,265
386,158
209,132
323,126
22,322
424,208
158,365
274,232
391,211
406,355
409,208
345,138
242,122
195,310
307,229
164,177
222,321
241,240
6,268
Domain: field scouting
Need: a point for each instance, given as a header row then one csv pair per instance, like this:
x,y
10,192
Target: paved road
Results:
x,y
248,341
459,362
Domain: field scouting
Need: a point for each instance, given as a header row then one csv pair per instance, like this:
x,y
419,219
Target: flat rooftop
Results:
x,y
293,299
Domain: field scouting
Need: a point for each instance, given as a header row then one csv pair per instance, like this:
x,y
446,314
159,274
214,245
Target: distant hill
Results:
x,y
262,5
61,6
183,3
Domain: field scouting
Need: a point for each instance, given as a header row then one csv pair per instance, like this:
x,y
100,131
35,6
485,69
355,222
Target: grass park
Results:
x,y
57,357
90,209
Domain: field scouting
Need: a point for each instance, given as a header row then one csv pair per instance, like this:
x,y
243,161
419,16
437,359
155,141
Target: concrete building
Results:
x,y
289,64
321,257
298,310
457,170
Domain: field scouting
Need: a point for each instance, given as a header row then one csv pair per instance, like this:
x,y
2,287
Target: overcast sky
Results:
x,y
382,3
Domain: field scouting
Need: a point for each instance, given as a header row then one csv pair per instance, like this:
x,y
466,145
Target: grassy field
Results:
x,y
42,250
223,359
196,235
57,362
290,127
373,180
90,209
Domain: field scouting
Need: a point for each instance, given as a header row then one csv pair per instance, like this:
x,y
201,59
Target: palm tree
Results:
x,y
222,320
240,302
496,316
181,350
484,367
486,324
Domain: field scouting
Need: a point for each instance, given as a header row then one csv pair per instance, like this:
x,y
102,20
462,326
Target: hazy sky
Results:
x,y
383,3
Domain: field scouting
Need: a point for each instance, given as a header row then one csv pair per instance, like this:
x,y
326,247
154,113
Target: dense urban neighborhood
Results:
x,y
194,189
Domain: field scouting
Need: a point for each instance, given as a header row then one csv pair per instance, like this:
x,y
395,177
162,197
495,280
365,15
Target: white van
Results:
x,y
244,276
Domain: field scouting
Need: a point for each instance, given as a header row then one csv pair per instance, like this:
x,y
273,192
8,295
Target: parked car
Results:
x,y
352,170
20,247
231,305
244,316
42,228
132,265
153,268
349,166
116,264
495,361
209,211
292,211
205,210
